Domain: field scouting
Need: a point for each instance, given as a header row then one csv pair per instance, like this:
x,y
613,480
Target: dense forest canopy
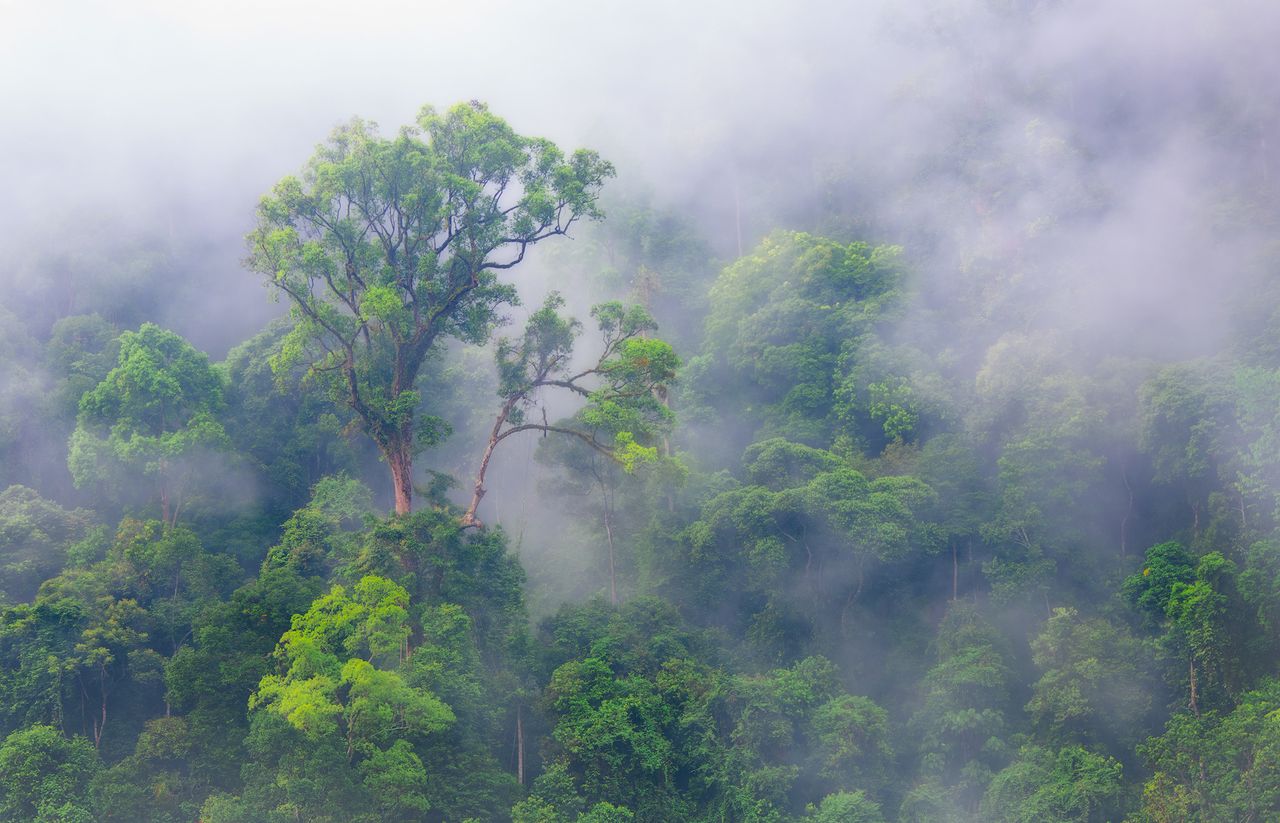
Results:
x,y
840,415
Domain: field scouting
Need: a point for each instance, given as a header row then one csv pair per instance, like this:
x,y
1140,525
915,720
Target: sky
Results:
x,y
187,112
180,115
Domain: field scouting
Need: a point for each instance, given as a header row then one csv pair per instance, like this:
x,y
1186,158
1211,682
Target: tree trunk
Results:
x,y
519,745
955,573
613,584
853,595
477,494
1195,695
400,459
99,726
968,567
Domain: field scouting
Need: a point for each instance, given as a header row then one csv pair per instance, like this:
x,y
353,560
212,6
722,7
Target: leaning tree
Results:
x,y
386,246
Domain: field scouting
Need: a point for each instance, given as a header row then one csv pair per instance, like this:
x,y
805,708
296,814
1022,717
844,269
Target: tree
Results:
x,y
81,351
44,777
1214,769
621,388
35,534
112,650
1094,687
286,429
1203,618
962,719
1185,420
158,782
1073,785
38,662
803,535
336,727
152,414
846,807
782,320
386,246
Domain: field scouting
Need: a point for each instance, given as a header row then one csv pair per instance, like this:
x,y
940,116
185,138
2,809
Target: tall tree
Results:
x,y
386,246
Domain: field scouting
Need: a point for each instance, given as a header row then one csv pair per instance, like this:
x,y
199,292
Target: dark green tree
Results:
x,y
44,777
35,535
1072,785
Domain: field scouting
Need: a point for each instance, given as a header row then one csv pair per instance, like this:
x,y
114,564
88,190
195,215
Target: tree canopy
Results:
x,y
386,245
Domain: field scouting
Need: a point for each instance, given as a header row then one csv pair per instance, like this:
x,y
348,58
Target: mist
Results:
x,y
172,121
976,313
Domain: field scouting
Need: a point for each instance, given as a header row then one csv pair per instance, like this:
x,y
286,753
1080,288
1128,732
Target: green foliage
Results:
x,y
1183,413
44,777
35,536
638,720
22,393
436,560
812,512
324,533
845,807
37,644
155,783
340,688
1072,784
1216,767
289,432
781,319
1093,682
81,351
625,390
153,417
385,246
1260,585
1166,567
1205,622
868,550
962,721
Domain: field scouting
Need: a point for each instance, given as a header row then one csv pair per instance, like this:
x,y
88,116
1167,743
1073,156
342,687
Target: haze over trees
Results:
x,y
908,455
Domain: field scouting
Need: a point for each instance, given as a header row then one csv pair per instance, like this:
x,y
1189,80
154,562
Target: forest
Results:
x,y
862,417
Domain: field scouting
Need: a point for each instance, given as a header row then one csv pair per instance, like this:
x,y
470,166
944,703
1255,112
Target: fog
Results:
x,y
1119,156
1083,191
174,118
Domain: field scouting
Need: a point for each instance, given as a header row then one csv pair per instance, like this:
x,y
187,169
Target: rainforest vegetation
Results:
x,y
933,486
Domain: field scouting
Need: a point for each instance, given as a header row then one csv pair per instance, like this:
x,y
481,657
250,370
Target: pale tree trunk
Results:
x,y
164,497
606,497
100,725
469,519
519,744
613,584
1195,695
400,459
170,502
955,573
